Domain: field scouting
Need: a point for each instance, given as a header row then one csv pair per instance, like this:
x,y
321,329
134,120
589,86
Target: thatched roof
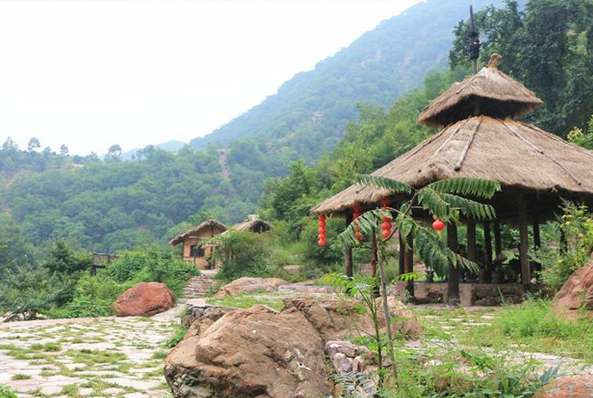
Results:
x,y
253,224
513,153
210,223
499,96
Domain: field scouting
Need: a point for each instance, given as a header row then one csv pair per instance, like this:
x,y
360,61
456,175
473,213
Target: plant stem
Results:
x,y
386,309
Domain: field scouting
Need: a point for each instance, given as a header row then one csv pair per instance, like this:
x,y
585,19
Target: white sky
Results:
x,y
91,74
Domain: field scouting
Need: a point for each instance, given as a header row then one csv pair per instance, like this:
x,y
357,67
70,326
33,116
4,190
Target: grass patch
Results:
x,y
178,335
20,376
248,301
161,354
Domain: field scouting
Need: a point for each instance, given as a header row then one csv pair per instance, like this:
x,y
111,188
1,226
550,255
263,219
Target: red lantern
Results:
x,y
385,202
386,226
321,242
386,233
438,225
357,209
321,236
322,218
358,236
321,230
386,218
322,223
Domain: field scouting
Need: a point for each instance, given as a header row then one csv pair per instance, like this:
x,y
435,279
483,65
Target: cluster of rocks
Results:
x,y
576,294
260,352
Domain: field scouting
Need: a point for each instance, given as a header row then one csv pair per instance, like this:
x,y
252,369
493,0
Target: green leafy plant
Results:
x,y
7,392
440,199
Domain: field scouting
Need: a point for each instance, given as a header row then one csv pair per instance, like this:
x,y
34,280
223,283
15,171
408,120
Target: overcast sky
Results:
x,y
91,74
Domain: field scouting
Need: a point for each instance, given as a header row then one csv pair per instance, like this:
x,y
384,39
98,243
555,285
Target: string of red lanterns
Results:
x,y
387,225
322,237
357,213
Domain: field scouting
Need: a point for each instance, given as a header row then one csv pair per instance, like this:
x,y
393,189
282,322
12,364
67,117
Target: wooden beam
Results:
x,y
453,284
409,265
349,271
523,244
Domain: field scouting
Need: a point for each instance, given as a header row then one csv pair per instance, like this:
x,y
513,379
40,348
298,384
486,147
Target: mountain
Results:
x,y
309,112
169,146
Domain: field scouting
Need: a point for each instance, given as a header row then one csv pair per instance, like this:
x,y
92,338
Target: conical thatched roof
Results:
x,y
498,96
210,223
513,153
253,224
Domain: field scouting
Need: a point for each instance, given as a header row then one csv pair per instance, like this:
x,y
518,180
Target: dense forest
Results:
x,y
110,204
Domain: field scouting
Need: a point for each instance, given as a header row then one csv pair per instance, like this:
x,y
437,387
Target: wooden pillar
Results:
x,y
348,251
453,285
488,248
402,254
524,244
497,239
471,240
537,241
375,253
409,264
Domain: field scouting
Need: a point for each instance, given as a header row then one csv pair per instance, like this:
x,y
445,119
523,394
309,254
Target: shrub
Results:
x,y
94,296
153,265
244,254
29,291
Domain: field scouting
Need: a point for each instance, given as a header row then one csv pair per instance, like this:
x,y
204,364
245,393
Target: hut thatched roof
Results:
x,y
210,223
498,96
254,224
513,153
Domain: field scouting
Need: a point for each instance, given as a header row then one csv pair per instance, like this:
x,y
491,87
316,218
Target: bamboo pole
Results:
x,y
453,285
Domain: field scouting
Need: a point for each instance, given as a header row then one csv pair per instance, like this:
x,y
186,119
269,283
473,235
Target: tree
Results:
x,y
33,144
548,48
9,145
63,150
113,154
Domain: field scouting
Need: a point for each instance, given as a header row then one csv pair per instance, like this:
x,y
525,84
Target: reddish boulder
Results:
x,y
576,293
144,299
568,387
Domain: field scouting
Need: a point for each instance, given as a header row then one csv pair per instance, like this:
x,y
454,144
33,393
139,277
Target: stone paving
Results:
x,y
99,357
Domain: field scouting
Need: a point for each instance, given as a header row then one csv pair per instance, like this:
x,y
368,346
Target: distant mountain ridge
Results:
x,y
308,113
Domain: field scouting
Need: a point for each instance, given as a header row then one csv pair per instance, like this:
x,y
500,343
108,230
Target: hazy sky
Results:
x,y
95,73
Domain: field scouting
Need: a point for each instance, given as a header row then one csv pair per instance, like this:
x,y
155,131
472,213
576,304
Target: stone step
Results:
x,y
198,286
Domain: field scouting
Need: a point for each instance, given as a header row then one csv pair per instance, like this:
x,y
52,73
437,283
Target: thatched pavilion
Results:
x,y
253,224
193,252
482,139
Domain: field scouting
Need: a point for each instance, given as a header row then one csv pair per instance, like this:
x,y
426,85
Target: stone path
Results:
x,y
200,286
99,357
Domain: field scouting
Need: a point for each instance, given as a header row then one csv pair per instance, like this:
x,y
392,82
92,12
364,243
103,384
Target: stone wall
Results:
x,y
480,294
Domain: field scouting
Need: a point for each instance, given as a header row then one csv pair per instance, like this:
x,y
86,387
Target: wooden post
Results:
x,y
409,264
524,244
488,249
375,253
402,254
537,241
348,251
471,240
497,239
453,285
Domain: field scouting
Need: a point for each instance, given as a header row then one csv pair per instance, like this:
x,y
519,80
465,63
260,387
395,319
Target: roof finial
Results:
x,y
474,35
494,60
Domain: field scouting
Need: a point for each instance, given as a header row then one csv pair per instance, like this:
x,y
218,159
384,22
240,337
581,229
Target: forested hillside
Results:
x,y
308,113
110,204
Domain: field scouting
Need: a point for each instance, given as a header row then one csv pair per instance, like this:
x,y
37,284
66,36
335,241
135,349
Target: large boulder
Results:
x,y
250,353
335,318
576,293
568,387
250,285
144,299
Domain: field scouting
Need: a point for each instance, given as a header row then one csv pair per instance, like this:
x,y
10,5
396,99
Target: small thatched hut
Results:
x,y
253,224
193,252
483,140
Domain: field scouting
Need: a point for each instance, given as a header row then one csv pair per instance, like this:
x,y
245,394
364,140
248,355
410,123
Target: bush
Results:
x,y
153,265
244,254
93,296
29,291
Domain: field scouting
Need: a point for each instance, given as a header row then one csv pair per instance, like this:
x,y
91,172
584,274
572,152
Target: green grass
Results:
x,y
248,301
20,376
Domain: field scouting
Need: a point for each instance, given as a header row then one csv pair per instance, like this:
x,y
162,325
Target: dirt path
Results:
x,y
99,357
